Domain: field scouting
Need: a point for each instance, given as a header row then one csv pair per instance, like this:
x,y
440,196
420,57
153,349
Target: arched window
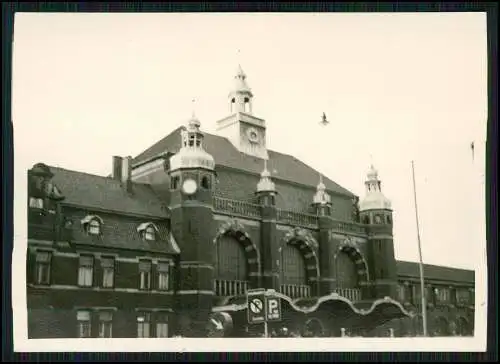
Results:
x,y
148,231
346,271
92,224
230,268
94,227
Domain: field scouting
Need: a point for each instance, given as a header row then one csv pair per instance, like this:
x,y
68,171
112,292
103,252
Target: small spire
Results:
x,y
265,184
193,101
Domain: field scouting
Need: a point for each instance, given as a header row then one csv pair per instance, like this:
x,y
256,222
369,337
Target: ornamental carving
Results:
x,y
302,234
349,242
233,226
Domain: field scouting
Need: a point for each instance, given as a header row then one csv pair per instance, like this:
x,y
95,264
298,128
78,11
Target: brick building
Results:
x,y
172,239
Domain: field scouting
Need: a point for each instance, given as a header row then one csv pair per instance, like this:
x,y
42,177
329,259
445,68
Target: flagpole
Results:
x,y
421,265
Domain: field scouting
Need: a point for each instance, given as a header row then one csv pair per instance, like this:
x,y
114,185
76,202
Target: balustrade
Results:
x,y
352,294
230,288
295,290
237,207
297,218
348,227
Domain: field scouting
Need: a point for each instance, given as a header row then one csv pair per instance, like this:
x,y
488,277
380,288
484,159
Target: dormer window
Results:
x,y
92,224
148,231
36,203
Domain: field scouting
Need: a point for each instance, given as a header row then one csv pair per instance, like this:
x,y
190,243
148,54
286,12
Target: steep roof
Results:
x,y
435,272
98,192
121,232
281,166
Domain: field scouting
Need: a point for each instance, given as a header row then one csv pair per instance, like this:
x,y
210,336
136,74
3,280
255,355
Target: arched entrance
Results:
x,y
299,264
237,260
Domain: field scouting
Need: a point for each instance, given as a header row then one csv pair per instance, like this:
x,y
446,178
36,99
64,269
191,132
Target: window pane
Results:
x,y
143,329
107,277
43,257
86,261
162,280
105,329
144,266
107,262
163,267
161,329
85,276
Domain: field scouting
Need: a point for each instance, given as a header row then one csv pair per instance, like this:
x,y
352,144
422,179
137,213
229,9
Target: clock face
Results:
x,y
189,187
253,135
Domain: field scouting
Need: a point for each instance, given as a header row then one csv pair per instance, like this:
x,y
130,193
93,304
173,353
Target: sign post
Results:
x,y
263,306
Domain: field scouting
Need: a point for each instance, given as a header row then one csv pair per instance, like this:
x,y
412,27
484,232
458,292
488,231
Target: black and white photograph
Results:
x,y
295,181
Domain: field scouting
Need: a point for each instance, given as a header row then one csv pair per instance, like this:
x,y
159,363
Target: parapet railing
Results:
x,y
289,217
237,207
352,294
297,218
347,226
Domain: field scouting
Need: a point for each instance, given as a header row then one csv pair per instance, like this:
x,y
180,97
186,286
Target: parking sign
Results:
x,y
273,309
256,309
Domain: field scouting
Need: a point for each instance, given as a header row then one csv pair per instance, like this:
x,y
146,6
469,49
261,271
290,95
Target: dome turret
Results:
x,y
192,154
374,198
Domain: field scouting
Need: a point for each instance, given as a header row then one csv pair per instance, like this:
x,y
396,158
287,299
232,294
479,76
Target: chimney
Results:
x,y
127,173
117,168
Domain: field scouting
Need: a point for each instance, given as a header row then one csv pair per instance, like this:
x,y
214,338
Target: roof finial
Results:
x,y
193,102
371,160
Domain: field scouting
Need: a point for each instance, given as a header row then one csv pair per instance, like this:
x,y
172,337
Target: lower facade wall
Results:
x,y
52,323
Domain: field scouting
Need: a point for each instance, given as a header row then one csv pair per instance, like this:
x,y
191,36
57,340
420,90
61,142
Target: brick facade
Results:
x,y
186,236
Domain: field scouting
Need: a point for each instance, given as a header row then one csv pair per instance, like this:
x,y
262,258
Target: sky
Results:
x,y
395,88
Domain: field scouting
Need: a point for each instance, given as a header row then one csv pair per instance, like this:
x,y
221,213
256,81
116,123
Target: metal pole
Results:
x,y
421,265
266,333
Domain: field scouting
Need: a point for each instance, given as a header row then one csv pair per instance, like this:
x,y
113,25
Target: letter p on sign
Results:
x,y
273,309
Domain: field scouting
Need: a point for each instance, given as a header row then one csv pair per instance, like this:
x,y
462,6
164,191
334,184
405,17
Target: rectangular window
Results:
x,y
83,318
442,294
163,276
105,324
86,271
143,325
162,325
108,272
42,267
36,203
145,274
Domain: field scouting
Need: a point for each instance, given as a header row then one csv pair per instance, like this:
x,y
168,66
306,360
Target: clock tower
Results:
x,y
191,181
245,131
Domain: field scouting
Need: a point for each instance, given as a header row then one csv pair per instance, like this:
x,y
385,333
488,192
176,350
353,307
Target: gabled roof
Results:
x,y
435,272
282,166
104,193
